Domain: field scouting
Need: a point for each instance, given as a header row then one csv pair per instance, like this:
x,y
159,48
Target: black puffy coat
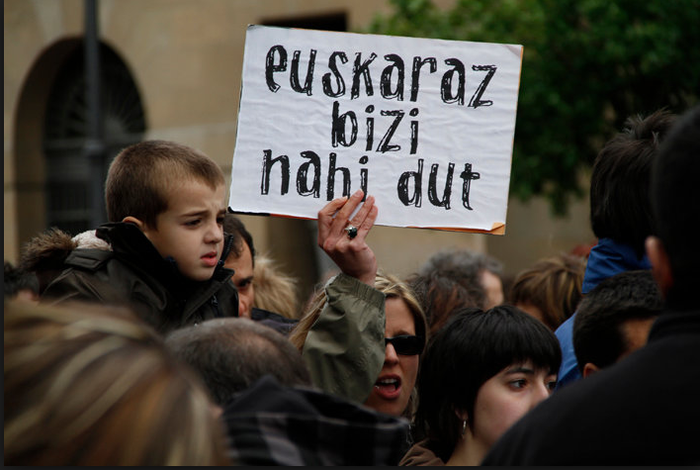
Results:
x,y
134,274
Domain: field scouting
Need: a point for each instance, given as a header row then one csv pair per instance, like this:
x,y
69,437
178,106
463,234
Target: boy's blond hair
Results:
x,y
142,176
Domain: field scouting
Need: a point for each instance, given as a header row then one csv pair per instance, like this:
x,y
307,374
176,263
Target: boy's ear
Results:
x,y
135,221
660,264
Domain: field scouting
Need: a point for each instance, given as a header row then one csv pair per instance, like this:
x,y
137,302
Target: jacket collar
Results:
x,y
608,258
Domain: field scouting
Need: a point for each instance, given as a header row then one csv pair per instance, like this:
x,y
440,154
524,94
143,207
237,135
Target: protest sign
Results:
x,y
426,126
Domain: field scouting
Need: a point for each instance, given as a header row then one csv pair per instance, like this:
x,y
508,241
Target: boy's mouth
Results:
x,y
210,259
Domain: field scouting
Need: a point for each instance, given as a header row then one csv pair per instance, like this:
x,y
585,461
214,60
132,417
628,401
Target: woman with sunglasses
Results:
x,y
481,372
405,335
392,391
364,331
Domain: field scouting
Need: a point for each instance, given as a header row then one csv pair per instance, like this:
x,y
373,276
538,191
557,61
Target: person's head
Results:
x,y
275,290
232,353
674,252
442,292
550,290
479,374
619,194
474,268
175,195
614,319
92,385
405,332
241,259
19,284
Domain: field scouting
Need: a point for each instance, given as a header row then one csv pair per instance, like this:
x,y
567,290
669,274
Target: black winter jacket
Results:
x,y
134,274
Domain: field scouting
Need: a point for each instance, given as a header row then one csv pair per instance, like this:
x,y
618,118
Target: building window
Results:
x,y
70,173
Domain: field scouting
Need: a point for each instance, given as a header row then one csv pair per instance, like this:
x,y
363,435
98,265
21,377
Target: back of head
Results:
x,y
444,292
142,176
674,197
89,385
472,347
470,262
466,267
598,334
619,194
231,354
553,286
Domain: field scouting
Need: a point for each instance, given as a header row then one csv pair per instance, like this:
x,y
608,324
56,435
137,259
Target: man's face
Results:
x,y
191,229
243,278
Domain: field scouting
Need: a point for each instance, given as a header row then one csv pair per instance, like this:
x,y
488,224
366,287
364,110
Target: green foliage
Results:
x,y
587,66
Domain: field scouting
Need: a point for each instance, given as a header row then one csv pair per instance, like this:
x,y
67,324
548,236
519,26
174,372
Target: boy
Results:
x,y
165,204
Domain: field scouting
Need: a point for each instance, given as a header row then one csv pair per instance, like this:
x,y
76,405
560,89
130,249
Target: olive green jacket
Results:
x,y
344,349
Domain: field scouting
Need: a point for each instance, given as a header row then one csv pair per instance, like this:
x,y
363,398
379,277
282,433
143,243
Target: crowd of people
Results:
x,y
163,338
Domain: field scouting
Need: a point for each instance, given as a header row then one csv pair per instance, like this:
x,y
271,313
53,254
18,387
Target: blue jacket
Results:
x,y
606,259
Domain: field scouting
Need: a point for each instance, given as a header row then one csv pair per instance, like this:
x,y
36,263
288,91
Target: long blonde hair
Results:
x,y
92,385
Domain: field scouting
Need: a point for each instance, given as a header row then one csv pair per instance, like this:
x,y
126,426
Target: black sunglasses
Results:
x,y
406,345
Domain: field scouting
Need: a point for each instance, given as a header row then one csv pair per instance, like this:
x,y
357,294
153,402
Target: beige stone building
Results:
x,y
172,71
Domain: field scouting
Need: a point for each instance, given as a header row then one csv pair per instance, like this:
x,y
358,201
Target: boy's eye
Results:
x,y
220,220
552,385
192,223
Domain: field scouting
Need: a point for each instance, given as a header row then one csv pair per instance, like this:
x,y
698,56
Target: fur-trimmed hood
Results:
x,y
46,253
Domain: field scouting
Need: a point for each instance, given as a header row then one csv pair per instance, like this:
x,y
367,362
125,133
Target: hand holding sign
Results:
x,y
352,255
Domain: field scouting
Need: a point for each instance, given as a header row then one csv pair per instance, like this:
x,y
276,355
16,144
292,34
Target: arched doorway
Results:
x,y
70,171
51,169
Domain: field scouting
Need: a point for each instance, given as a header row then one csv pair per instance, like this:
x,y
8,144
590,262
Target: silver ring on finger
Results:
x,y
351,231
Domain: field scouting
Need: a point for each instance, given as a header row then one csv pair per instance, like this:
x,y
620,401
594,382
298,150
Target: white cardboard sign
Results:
x,y
426,126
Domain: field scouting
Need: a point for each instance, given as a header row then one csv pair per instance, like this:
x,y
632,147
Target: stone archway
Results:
x,y
52,171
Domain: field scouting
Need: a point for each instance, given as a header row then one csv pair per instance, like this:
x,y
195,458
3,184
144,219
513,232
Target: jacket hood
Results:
x,y
47,250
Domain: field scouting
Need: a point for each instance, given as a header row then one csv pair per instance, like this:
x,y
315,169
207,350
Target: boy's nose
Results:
x,y
215,234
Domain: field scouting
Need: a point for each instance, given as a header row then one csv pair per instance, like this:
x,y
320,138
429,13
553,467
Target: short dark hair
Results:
x,y
472,347
235,227
674,196
141,176
232,353
597,333
619,195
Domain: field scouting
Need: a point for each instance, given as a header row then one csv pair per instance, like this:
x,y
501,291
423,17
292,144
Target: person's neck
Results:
x,y
467,452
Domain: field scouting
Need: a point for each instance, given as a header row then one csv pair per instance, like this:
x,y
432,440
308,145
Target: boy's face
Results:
x,y
191,229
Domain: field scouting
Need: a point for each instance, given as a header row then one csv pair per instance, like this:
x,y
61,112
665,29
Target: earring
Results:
x,y
464,427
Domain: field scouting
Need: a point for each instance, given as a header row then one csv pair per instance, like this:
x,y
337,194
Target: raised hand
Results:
x,y
347,247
